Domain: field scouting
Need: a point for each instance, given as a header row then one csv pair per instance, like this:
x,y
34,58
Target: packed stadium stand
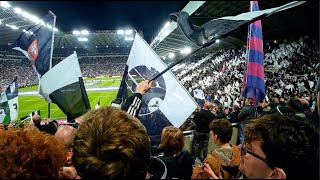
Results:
x,y
226,135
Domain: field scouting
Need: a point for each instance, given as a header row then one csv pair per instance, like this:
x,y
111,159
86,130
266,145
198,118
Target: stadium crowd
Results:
x,y
291,69
277,139
15,65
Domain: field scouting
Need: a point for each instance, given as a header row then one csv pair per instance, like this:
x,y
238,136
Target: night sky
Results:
x,y
148,16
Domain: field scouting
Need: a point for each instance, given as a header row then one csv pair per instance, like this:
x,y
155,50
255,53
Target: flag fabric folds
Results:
x,y
36,43
254,86
63,85
9,107
221,27
167,103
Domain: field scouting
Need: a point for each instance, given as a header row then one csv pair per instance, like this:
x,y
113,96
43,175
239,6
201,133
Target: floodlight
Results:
x,y
17,10
75,32
129,31
5,4
171,55
84,32
120,31
128,38
82,39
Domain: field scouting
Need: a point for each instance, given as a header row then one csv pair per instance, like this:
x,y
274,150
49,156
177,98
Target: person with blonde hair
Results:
x,y
111,144
30,154
178,161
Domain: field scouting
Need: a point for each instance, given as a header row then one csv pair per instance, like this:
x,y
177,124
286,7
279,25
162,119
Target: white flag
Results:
x,y
168,103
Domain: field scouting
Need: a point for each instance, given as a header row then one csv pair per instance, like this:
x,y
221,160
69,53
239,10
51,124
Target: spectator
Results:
x,y
247,113
233,116
48,128
202,119
274,149
30,155
178,161
2,127
219,113
111,144
66,134
225,160
10,126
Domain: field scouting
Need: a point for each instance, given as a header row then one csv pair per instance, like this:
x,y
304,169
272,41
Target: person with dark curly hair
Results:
x,y
30,154
111,144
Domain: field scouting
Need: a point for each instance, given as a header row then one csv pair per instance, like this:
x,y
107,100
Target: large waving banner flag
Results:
x,y
221,27
36,43
63,85
167,103
9,107
254,86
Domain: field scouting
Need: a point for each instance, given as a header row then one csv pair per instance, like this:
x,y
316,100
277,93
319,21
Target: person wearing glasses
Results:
x,y
279,147
225,160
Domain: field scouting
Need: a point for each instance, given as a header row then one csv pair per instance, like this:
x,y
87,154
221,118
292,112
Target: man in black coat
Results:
x,y
202,119
247,113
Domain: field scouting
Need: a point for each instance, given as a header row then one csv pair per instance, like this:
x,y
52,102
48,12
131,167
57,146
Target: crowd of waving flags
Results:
x,y
9,107
167,103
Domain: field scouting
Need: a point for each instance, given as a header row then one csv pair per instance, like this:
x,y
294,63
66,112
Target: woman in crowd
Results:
x,y
178,161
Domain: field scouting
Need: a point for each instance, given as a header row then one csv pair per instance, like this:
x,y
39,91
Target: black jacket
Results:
x,y
133,105
202,119
247,113
179,166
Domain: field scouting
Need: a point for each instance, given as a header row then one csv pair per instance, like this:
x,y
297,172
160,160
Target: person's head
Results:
x,y
280,146
10,126
295,104
1,126
248,101
207,105
66,133
221,130
219,108
36,120
276,100
172,139
30,154
305,104
111,144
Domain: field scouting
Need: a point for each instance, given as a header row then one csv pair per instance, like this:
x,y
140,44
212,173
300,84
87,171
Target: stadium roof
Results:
x,y
297,21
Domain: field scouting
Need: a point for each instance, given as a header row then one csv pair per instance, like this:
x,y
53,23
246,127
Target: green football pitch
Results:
x,y
28,104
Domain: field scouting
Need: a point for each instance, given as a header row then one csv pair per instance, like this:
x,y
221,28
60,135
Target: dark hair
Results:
x,y
295,104
289,142
222,128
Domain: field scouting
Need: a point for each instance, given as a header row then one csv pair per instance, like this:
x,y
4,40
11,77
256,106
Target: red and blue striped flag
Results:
x,y
253,81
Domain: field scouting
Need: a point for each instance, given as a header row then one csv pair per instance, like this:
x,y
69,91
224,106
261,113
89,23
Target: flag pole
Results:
x,y
49,114
179,60
52,42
